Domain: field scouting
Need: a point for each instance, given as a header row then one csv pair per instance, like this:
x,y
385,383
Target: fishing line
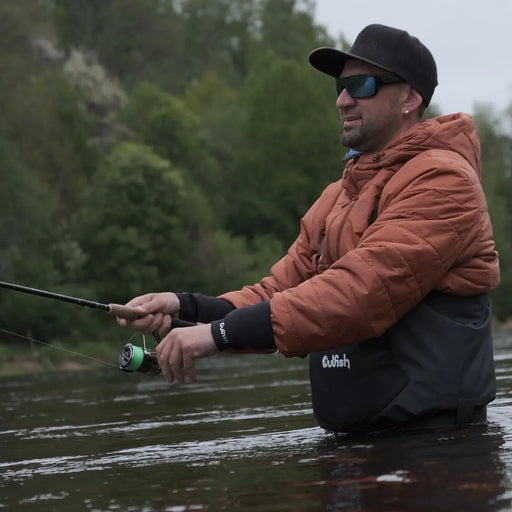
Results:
x,y
27,338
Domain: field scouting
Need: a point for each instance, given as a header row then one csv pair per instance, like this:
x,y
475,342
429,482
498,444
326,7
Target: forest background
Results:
x,y
151,145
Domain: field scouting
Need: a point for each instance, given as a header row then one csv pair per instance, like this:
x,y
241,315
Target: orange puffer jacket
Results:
x,y
399,224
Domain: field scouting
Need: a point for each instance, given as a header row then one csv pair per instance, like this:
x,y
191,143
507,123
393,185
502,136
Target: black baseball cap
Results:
x,y
389,48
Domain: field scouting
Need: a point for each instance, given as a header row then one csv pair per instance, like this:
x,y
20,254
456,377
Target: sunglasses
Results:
x,y
364,86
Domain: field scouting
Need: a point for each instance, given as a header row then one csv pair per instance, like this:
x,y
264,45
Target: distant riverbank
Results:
x,y
23,359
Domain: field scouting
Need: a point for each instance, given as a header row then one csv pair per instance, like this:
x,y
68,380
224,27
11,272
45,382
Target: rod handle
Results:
x,y
123,311
130,314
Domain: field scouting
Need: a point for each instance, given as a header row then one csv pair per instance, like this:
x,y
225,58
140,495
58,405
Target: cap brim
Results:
x,y
332,61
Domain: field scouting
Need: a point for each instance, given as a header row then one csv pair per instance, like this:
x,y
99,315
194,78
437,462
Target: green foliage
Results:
x,y
101,96
289,149
26,211
134,39
219,109
217,36
42,121
138,224
146,230
164,123
44,125
226,262
497,180
295,42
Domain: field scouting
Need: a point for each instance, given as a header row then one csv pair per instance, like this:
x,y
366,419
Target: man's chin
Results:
x,y
349,142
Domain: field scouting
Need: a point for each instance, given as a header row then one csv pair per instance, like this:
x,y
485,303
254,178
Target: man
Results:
x,y
386,287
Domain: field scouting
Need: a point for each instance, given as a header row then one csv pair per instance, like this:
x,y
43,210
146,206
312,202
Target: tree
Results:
x,y
102,97
139,224
44,159
142,229
497,181
173,131
289,149
135,40
27,256
219,109
300,36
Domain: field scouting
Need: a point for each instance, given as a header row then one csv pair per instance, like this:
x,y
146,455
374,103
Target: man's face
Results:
x,y
369,124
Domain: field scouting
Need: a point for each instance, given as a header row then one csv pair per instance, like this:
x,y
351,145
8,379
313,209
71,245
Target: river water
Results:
x,y
241,438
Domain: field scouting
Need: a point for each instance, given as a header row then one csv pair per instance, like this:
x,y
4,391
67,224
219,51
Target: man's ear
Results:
x,y
412,101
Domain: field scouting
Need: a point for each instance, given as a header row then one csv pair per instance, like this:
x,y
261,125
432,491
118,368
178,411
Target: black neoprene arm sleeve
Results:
x,y
196,307
247,327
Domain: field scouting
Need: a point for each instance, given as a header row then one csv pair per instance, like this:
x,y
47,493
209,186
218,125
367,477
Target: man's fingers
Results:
x,y
189,368
122,322
166,303
178,351
176,362
162,353
141,299
163,329
147,324
146,304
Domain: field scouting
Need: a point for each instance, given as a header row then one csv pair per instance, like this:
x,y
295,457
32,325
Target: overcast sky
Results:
x,y
471,41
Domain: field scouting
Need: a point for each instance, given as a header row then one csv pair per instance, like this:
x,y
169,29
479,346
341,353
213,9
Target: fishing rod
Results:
x,y
115,309
132,358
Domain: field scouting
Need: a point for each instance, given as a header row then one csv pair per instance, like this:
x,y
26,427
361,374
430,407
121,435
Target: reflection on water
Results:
x,y
241,438
457,470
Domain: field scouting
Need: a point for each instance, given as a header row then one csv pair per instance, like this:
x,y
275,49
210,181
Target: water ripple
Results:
x,y
199,453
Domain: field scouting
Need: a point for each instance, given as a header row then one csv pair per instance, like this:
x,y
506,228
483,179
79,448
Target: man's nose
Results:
x,y
344,99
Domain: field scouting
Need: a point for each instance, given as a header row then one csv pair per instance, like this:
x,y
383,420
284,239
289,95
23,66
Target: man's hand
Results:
x,y
155,311
178,350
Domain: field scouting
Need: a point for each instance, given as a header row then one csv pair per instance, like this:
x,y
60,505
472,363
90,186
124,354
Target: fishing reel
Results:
x,y
140,359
